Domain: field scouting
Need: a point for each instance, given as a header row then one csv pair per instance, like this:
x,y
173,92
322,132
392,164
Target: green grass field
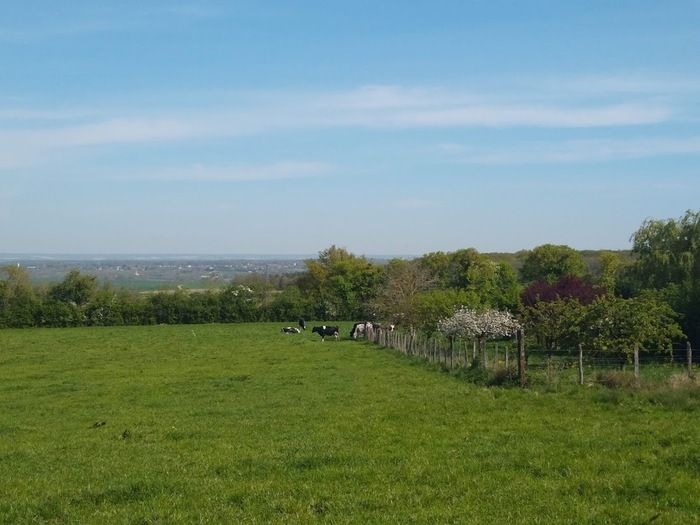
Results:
x,y
240,423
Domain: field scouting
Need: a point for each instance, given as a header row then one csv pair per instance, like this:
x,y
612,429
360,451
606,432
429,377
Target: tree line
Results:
x,y
550,291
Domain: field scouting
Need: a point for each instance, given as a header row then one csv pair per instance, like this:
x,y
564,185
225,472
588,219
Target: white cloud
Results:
x,y
573,151
379,107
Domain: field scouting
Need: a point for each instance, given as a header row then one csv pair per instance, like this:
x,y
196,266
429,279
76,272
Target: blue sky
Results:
x,y
400,128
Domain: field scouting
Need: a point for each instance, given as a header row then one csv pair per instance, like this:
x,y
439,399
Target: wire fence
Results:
x,y
576,365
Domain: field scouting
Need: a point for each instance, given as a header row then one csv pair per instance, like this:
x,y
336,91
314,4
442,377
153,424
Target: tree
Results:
x,y
468,323
621,325
610,265
555,323
567,287
668,260
550,262
433,305
18,302
494,283
403,283
668,251
75,288
342,285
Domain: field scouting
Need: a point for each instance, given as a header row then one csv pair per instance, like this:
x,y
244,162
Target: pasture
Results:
x,y
244,424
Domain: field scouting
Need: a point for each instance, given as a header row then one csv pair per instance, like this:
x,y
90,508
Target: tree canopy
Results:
x,y
550,262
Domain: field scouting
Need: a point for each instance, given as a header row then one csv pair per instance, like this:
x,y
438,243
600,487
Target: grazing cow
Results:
x,y
357,329
290,330
302,324
323,331
360,329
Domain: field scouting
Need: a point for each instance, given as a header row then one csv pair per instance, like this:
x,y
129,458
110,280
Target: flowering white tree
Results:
x,y
467,323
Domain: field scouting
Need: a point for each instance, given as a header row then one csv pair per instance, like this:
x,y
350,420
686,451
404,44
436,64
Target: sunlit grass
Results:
x,y
240,423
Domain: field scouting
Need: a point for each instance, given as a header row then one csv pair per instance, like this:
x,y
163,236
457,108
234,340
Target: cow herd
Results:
x,y
363,329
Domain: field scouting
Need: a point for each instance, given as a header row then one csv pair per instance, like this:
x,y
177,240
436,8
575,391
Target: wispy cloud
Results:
x,y
573,151
23,137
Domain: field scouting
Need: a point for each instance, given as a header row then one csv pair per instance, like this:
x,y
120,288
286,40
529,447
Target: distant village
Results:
x,y
155,274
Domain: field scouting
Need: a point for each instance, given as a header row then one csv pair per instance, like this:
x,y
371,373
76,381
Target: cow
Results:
x,y
323,331
302,324
360,329
357,329
290,330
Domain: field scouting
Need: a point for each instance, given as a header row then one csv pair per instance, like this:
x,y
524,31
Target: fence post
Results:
x,y
521,358
507,346
580,364
636,362
495,358
689,354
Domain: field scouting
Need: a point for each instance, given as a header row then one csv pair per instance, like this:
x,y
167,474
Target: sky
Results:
x,y
387,127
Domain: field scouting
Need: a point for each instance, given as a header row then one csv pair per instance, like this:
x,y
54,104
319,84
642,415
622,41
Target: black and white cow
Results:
x,y
323,331
359,329
290,330
363,329
302,324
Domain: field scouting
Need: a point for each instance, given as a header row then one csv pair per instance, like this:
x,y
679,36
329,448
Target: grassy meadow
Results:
x,y
243,424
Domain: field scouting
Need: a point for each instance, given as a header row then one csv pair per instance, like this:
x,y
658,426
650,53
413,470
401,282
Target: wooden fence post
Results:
x,y
580,364
521,358
636,362
689,355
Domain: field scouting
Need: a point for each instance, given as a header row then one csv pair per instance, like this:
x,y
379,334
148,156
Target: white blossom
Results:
x,y
468,323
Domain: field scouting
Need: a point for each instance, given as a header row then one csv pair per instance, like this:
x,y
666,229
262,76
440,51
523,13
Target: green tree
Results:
x,y
433,305
614,324
610,264
75,288
494,283
668,260
18,302
341,285
550,262
555,324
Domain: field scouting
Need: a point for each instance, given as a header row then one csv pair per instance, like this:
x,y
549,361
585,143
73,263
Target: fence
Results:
x,y
536,364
